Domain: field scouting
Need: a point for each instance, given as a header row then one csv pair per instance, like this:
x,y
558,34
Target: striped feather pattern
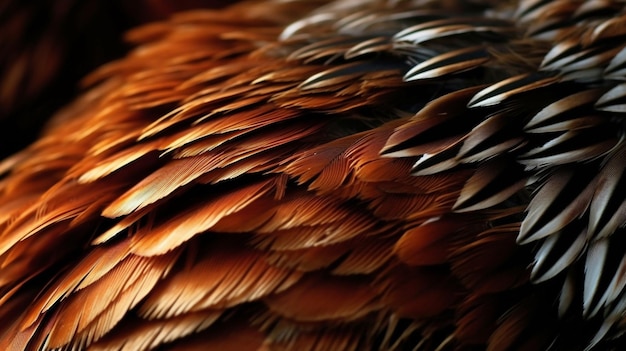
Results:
x,y
331,175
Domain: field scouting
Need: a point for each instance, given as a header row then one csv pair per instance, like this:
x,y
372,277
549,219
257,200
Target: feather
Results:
x,y
509,334
594,264
341,339
546,214
316,298
225,278
453,62
504,90
611,100
404,142
494,136
429,243
614,288
558,252
310,235
607,209
95,266
489,264
366,257
477,319
560,110
108,300
54,209
494,182
185,225
142,335
572,145
615,68
158,185
448,27
231,336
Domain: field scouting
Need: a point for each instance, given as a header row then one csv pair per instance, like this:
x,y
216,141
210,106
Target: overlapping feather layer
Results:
x,y
349,176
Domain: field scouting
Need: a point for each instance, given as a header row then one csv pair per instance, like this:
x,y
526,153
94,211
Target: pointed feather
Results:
x,y
428,243
494,182
452,62
148,335
227,276
59,206
161,183
558,110
617,67
558,202
613,100
92,268
95,310
433,115
448,27
496,135
195,220
574,145
504,90
594,265
608,207
558,252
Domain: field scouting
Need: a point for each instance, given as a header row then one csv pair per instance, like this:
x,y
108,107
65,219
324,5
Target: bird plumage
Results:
x,y
47,46
331,176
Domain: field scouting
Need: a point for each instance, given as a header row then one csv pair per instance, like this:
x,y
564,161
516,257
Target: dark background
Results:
x,y
47,46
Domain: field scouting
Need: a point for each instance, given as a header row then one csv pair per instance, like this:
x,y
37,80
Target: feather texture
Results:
x,y
331,175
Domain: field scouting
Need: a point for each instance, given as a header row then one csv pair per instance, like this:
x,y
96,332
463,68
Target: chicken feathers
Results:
x,y
379,175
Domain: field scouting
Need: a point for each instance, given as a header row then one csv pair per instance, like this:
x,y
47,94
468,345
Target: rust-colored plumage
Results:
x,y
347,175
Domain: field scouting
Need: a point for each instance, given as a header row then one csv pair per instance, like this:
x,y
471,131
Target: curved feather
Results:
x,y
492,183
499,92
546,214
608,209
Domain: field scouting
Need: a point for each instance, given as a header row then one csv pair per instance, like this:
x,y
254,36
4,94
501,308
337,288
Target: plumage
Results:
x,y
48,46
330,175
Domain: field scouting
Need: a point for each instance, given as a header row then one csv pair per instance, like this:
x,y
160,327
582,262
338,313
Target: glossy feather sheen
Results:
x,y
331,175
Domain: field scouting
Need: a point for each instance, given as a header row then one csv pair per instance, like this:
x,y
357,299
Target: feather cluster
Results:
x,y
347,175
47,46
